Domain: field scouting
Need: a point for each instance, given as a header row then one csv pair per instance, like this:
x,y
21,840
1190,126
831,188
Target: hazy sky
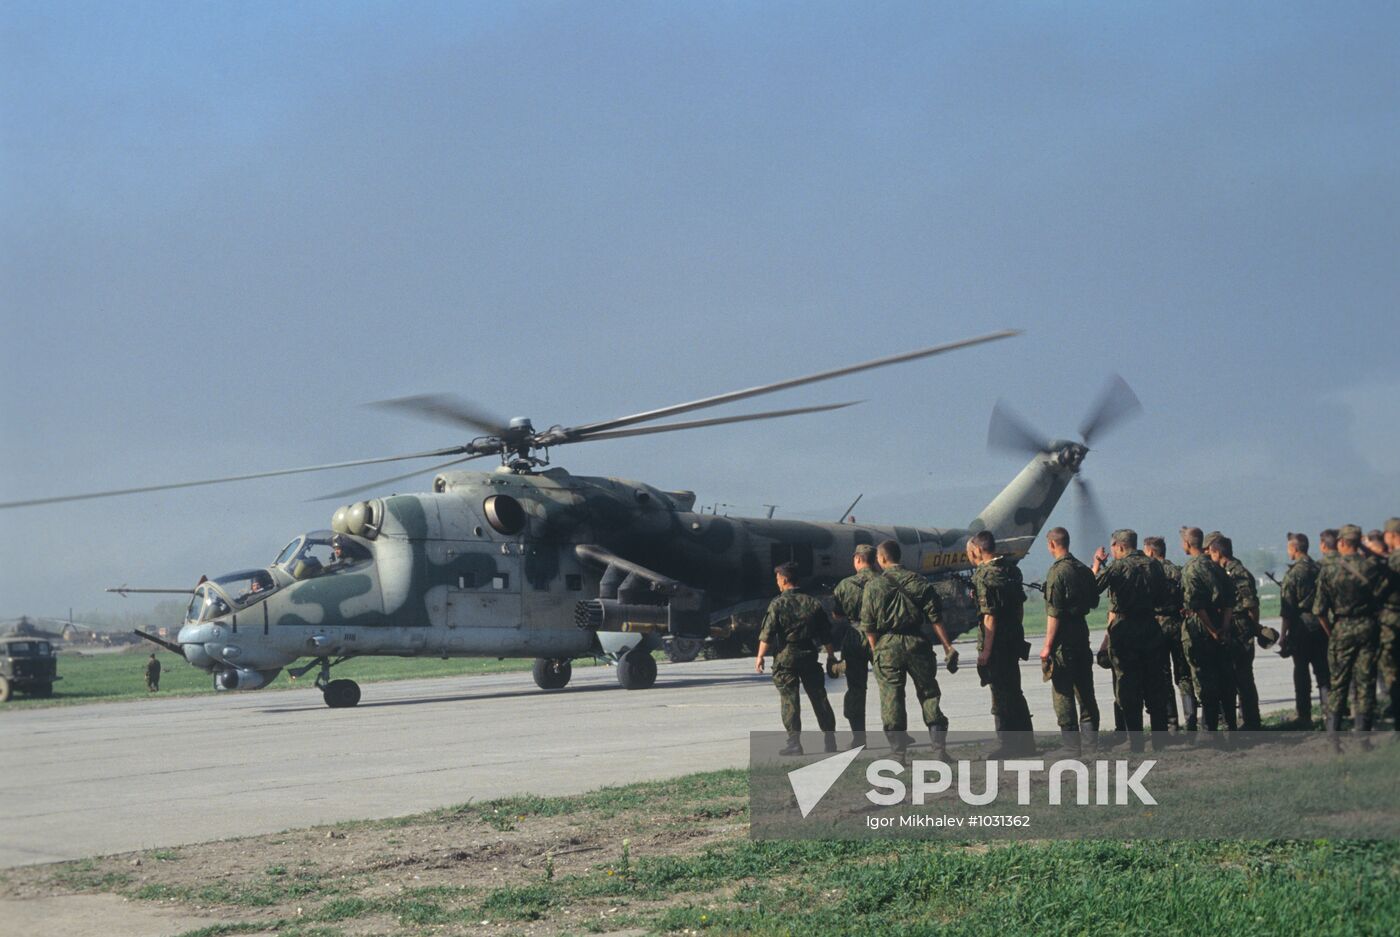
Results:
x,y
225,226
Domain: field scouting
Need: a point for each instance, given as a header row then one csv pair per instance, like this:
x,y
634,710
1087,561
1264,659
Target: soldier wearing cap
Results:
x,y
894,608
1070,594
1303,638
1207,597
1001,641
1244,630
1174,670
1350,593
855,651
793,628
1389,664
1136,588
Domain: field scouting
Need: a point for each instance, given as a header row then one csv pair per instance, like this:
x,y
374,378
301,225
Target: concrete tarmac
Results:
x,y
89,780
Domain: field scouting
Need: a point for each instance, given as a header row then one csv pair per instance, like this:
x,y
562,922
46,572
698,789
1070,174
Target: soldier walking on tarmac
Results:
x,y
1001,641
851,638
793,629
1174,670
1070,594
895,607
152,675
1244,630
1303,639
1136,587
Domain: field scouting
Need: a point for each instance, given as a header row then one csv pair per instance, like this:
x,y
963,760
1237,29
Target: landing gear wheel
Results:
x,y
552,674
684,650
5,690
341,694
636,670
42,690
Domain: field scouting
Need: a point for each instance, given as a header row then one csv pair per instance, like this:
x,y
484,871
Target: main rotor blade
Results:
x,y
1009,432
1093,528
397,478
716,421
453,450
591,429
445,408
1116,403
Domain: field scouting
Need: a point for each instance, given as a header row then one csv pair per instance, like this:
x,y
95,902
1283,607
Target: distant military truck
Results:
x,y
27,665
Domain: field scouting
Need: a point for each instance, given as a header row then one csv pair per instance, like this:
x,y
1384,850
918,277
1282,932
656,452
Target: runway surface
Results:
x,y
91,780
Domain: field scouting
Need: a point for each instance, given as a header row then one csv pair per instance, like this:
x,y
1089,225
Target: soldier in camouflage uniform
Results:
x,y
894,608
1389,664
1136,587
1174,670
855,649
1244,630
794,627
1070,594
1302,638
1350,592
1001,642
1207,597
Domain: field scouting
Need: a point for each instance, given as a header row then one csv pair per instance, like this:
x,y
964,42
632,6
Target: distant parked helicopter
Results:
x,y
531,561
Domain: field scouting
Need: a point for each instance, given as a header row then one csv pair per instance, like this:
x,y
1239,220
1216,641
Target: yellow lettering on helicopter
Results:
x,y
934,561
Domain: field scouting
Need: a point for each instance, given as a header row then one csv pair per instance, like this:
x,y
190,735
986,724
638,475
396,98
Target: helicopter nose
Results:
x,y
192,639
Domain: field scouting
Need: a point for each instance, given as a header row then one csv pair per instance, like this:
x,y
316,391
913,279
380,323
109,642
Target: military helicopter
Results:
x,y
528,560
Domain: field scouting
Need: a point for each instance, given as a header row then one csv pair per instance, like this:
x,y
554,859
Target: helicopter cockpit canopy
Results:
x,y
320,552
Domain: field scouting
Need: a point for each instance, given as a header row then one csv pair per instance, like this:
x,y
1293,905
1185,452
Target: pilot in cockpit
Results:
x,y
338,555
258,584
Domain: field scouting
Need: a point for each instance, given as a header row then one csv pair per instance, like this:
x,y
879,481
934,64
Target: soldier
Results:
x,y
1303,639
855,651
1389,664
1135,586
894,608
1350,591
1173,661
1207,596
152,675
1070,594
1327,543
1374,544
794,627
1001,641
1244,630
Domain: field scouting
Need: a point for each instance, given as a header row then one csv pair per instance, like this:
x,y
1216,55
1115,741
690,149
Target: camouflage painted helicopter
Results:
x,y
531,561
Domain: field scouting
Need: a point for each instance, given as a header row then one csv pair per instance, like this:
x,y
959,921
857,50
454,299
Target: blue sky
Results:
x,y
223,227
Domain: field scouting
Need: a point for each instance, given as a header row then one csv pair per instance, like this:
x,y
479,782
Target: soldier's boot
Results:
x,y
1362,727
938,735
794,744
1188,709
1136,741
1089,739
1070,742
858,738
1304,719
829,742
1333,721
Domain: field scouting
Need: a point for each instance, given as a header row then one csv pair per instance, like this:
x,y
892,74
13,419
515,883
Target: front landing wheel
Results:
x,y
341,694
636,670
552,674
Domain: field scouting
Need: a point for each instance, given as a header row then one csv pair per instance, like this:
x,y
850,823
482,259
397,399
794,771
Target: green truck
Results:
x,y
27,665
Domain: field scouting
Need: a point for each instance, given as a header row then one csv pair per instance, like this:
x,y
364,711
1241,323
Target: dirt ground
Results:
x,y
463,870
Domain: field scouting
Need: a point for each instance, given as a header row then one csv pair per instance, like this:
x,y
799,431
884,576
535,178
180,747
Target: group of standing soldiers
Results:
x,y
1195,626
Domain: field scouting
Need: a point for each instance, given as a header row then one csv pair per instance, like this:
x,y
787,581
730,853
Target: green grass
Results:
x,y
122,676
817,888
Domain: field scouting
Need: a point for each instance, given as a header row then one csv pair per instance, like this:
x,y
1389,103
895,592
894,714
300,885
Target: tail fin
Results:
x,y
1018,513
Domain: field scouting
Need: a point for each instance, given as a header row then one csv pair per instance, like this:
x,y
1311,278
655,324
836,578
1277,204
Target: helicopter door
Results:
x,y
484,600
